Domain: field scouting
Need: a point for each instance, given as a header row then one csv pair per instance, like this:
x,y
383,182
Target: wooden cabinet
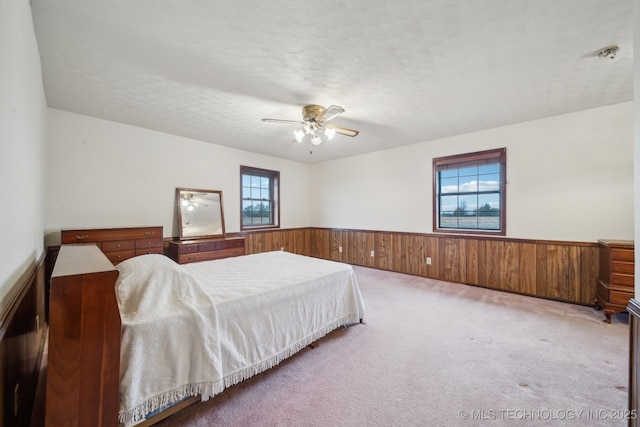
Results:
x,y
186,251
616,278
83,372
119,244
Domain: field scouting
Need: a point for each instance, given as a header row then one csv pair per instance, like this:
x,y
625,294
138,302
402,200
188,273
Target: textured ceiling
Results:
x,y
404,71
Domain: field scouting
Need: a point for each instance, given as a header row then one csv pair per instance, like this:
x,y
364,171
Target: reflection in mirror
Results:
x,y
200,213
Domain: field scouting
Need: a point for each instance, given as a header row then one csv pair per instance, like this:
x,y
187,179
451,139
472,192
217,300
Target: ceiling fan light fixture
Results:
x,y
313,124
330,133
299,134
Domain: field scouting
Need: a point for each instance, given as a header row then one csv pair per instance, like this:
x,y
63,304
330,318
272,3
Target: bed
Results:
x,y
196,329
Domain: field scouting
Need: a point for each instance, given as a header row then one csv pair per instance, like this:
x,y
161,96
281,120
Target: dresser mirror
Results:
x,y
200,213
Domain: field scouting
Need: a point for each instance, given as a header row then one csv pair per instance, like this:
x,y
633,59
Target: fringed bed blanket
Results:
x,y
196,329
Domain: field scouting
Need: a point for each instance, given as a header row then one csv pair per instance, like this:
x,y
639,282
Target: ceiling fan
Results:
x,y
314,119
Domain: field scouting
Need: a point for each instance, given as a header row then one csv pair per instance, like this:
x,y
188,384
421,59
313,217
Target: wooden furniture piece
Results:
x,y
616,278
83,373
186,251
119,244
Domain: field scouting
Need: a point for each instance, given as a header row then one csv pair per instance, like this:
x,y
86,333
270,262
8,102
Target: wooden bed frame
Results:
x,y
83,381
83,372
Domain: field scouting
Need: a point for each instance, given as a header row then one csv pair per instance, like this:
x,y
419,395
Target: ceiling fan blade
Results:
x,y
331,112
344,131
282,121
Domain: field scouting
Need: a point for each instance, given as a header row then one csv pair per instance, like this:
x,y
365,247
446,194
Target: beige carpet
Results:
x,y
440,354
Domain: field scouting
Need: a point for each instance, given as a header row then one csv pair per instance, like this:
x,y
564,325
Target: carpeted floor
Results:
x,y
439,354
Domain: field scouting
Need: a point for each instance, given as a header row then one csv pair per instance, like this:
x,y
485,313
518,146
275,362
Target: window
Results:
x,y
260,204
469,193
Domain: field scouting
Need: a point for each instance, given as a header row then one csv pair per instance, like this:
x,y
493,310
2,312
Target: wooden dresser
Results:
x,y
616,278
83,372
119,244
186,251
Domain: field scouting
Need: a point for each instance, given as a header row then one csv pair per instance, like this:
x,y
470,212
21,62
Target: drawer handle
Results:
x,y
148,243
118,245
148,233
192,257
82,237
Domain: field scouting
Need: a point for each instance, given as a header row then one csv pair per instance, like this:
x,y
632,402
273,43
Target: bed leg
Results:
x,y
313,344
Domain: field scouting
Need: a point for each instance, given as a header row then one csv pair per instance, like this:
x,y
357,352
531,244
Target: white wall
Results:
x,y
107,174
569,177
22,145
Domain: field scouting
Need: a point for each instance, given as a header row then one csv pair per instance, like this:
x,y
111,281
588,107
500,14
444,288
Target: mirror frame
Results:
x,y
181,225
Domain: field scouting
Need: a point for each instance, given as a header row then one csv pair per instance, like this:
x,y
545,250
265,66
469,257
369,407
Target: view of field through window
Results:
x,y
469,197
257,205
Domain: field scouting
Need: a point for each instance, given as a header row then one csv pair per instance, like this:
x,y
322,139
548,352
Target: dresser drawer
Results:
x,y
623,267
210,255
153,250
220,244
209,246
148,243
188,249
622,280
118,245
116,257
228,244
620,298
109,234
622,255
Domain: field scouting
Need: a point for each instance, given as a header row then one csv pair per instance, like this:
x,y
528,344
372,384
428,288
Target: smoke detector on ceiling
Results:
x,y
609,52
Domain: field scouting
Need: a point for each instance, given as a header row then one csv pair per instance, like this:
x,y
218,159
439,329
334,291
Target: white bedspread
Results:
x,y
198,328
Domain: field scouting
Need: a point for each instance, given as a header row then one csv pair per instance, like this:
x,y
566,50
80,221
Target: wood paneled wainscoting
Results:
x,y
565,271
294,240
559,270
22,336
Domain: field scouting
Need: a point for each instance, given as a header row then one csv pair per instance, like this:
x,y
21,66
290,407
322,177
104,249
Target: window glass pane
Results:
x,y
255,181
489,222
246,192
494,168
470,171
489,211
490,182
265,194
246,180
448,204
447,221
449,185
468,222
449,173
264,182
468,184
468,204
489,205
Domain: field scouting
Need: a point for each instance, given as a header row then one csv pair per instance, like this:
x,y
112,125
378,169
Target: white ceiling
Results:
x,y
405,72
